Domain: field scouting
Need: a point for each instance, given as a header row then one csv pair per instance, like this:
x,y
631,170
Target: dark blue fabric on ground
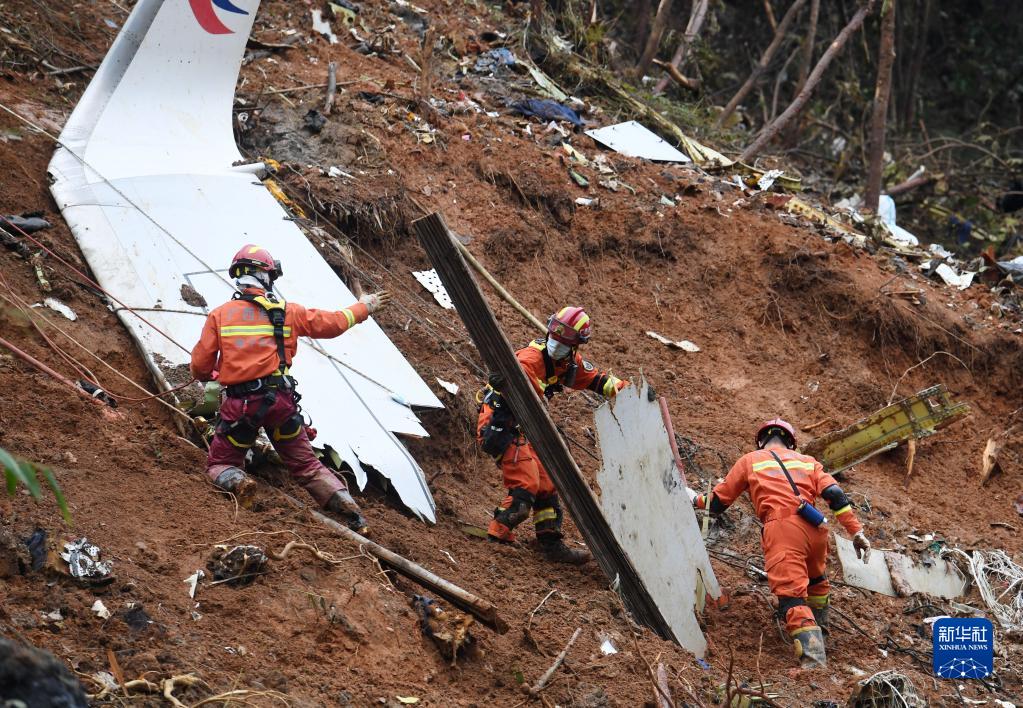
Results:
x,y
545,109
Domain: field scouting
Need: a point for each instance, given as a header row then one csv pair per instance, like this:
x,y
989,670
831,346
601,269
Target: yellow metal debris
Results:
x,y
917,416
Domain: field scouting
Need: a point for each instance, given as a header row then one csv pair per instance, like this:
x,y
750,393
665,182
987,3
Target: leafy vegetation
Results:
x,y
20,472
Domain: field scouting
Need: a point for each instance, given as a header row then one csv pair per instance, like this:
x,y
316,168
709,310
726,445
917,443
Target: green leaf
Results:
x,y
20,473
59,495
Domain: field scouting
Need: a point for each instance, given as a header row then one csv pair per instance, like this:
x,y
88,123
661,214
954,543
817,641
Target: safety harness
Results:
x,y
242,432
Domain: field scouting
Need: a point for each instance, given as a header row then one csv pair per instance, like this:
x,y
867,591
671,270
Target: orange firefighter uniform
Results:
x,y
795,551
238,342
239,334
526,480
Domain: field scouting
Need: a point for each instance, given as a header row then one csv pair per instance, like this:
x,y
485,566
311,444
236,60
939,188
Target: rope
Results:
x,y
159,226
89,376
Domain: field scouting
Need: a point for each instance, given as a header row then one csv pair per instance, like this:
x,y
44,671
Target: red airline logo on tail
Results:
x,y
207,17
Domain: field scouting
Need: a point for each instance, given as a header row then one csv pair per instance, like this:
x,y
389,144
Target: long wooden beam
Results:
x,y
537,425
479,608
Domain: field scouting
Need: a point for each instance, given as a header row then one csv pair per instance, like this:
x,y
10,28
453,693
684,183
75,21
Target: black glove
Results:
x,y
496,381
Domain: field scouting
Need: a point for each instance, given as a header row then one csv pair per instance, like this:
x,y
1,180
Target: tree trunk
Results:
x,y
642,10
886,57
808,44
916,66
695,24
778,81
769,132
654,40
765,59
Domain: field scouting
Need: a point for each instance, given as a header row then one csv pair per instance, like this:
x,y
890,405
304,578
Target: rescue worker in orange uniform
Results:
x,y
248,344
551,364
783,486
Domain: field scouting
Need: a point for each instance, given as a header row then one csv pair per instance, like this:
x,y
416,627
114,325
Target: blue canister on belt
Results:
x,y
810,514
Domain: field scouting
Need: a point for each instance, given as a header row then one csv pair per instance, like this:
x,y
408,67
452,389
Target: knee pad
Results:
x,y
289,429
517,511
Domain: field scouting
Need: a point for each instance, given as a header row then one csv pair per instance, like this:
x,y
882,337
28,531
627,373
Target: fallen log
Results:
x,y
535,422
483,610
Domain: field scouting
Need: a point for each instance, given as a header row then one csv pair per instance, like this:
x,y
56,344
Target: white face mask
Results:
x,y
557,349
254,280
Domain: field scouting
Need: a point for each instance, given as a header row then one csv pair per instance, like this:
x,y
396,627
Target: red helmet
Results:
x,y
779,428
252,257
570,326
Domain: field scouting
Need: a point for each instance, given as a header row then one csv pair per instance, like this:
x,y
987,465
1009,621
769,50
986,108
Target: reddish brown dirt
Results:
x,y
788,324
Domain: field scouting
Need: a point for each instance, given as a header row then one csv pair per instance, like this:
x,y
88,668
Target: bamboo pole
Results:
x,y
505,295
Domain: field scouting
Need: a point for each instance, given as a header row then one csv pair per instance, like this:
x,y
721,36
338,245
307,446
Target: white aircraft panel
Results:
x,y
647,506
145,177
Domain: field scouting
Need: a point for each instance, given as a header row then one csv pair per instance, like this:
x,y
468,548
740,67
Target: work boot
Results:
x,y
554,549
808,643
342,504
236,482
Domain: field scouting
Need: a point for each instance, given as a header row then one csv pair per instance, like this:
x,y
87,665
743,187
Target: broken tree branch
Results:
x,y
696,17
662,691
808,44
683,81
765,59
479,608
770,131
540,685
911,184
882,92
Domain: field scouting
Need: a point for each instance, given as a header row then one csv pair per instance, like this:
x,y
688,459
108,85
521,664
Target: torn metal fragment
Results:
x,y
83,559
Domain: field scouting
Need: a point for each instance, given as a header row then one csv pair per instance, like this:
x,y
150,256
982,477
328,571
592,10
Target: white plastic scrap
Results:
x,y
684,344
607,647
106,680
56,305
193,582
323,27
886,210
585,201
956,280
634,140
451,388
766,182
100,609
431,281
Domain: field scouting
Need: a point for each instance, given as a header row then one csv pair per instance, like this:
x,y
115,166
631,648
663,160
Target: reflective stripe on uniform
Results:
x,y
264,330
541,515
349,315
234,442
847,507
789,464
818,601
